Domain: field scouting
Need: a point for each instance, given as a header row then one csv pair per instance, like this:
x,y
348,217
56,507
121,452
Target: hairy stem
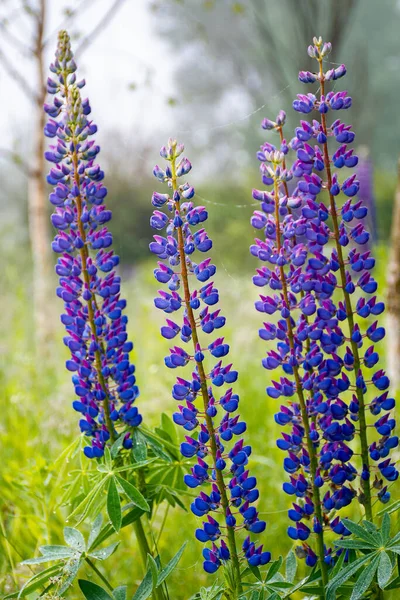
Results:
x,y
99,574
285,187
204,391
302,401
367,500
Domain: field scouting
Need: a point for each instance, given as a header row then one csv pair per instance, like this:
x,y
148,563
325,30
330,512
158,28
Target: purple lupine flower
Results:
x,y
103,376
353,269
228,503
320,358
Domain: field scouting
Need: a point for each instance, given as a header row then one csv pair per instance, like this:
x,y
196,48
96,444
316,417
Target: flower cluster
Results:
x,y
202,407
103,376
322,346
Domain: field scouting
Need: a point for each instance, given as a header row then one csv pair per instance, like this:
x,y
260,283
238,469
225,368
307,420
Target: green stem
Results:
x,y
204,392
367,500
144,549
84,254
99,574
303,405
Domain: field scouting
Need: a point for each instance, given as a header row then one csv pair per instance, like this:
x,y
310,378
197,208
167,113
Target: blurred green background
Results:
x,y
231,64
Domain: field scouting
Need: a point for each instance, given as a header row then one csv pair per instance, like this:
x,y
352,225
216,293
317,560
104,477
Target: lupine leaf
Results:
x,y
85,505
154,569
71,571
168,426
394,584
384,570
291,566
344,575
108,530
104,552
354,544
117,445
114,505
107,458
46,558
38,580
274,568
139,447
395,540
92,591
365,579
338,565
385,528
56,549
120,592
167,570
369,526
389,509
74,539
95,530
145,588
133,494
360,531
395,549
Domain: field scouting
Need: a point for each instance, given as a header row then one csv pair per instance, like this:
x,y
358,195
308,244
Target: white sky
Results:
x,y
127,51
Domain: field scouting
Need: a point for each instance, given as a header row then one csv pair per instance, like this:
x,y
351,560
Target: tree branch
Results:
x,y
65,23
16,75
16,160
104,22
23,48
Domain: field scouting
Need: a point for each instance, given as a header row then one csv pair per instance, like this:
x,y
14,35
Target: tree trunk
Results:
x,y
393,296
37,201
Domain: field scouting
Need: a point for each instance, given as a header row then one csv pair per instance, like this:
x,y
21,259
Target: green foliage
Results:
x,y
38,424
376,563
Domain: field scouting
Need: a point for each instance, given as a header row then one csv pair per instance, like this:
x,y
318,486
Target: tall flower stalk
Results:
x,y
231,488
286,256
103,375
304,242
354,269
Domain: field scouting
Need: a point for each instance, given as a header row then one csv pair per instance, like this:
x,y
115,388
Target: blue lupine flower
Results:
x,y
103,376
222,468
321,359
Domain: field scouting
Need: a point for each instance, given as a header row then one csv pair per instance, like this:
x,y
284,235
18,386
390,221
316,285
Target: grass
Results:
x,y
37,423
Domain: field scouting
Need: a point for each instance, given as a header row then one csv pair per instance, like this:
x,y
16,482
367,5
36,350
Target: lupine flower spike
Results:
x,y
312,348
228,504
103,376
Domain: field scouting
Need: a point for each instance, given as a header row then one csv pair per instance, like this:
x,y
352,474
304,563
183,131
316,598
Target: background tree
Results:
x,y
35,48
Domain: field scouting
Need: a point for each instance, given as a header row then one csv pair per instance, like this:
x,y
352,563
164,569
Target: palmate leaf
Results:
x,y
74,539
389,509
345,574
37,581
139,447
145,588
92,591
385,569
274,569
50,553
354,544
95,530
358,530
104,553
108,530
114,505
385,529
84,507
365,579
70,571
133,494
291,566
120,593
167,570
